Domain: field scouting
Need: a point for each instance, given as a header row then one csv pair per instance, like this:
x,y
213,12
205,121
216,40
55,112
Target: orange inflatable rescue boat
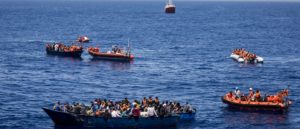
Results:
x,y
116,54
274,103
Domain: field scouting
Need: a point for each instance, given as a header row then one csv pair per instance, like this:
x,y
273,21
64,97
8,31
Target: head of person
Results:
x,y
236,88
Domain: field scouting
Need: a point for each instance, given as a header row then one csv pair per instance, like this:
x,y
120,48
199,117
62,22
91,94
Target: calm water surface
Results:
x,y
182,56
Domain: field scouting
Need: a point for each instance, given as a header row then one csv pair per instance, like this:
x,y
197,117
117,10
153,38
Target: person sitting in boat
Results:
x,y
177,108
151,112
188,108
66,108
57,107
230,95
161,111
136,112
257,96
115,113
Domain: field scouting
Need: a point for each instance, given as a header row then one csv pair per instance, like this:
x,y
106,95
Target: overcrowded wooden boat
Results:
x,y
68,119
103,113
243,56
60,49
274,103
116,54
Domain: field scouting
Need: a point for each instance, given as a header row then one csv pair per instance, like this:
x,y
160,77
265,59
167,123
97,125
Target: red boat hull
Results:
x,y
170,10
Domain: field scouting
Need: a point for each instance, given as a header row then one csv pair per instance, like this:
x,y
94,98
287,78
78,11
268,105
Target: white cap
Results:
x,y
250,88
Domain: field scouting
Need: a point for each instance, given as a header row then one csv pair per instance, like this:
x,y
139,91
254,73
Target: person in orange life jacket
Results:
x,y
230,95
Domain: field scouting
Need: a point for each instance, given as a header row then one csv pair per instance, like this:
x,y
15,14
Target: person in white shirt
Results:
x,y
237,92
115,113
151,111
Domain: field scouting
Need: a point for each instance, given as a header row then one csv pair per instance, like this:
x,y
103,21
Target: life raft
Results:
x,y
83,39
241,59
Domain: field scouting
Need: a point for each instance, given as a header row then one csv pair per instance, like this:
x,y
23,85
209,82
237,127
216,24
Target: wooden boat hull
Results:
x,y
255,106
187,116
61,118
65,54
111,57
170,9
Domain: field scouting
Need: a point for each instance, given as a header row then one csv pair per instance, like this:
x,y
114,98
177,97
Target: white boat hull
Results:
x,y
239,59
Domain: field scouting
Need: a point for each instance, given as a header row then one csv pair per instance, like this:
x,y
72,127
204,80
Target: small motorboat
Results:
x,y
170,7
69,119
242,56
269,104
83,39
116,54
60,49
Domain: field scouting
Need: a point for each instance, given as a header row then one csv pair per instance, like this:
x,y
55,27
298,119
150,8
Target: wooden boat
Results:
x,y
83,39
60,49
116,54
68,119
268,105
170,7
244,59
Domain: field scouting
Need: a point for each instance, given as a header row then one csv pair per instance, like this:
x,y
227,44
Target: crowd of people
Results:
x,y
148,107
256,96
244,54
59,47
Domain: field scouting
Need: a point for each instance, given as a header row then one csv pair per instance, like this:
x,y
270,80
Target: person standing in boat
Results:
x,y
257,96
251,95
237,93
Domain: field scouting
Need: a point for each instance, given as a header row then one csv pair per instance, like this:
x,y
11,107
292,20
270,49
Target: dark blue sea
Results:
x,y
182,56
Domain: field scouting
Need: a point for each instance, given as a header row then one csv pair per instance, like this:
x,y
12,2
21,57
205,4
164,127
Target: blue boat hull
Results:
x,y
66,119
61,118
187,116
